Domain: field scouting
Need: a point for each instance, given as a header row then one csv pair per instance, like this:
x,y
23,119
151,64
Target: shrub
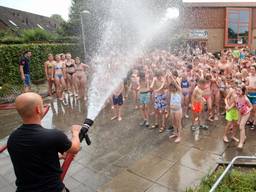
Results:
x,y
10,55
37,35
11,40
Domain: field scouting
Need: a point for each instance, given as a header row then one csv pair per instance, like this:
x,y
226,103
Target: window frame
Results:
x,y
228,10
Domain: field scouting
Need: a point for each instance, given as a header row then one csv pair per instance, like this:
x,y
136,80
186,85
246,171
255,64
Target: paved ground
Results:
x,y
126,157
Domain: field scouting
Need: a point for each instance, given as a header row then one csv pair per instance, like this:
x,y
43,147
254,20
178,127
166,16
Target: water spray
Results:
x,y
144,27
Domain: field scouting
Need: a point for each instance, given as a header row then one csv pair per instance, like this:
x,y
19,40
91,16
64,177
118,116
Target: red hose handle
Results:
x,y
65,165
4,147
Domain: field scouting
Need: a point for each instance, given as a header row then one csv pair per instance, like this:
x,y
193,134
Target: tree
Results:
x,y
57,18
98,12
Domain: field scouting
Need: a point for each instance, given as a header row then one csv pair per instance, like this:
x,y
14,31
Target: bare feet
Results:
x,y
211,119
240,145
172,136
119,118
177,140
113,118
225,139
161,130
235,139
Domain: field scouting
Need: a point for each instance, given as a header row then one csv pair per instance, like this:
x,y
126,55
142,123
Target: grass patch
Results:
x,y
237,180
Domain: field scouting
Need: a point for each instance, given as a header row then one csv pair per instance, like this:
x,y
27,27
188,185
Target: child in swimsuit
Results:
x,y
70,70
59,69
244,107
197,103
49,73
80,77
175,108
232,115
185,86
215,84
117,99
251,87
160,97
134,87
208,96
144,97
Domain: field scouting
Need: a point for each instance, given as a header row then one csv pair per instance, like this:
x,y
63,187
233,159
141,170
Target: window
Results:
x,y
238,27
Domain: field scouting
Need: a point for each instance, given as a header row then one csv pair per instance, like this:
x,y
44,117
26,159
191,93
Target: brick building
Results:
x,y
219,25
15,19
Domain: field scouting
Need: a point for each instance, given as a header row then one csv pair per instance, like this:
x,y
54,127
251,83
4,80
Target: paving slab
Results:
x,y
179,178
7,189
126,182
199,160
151,167
170,151
71,183
211,145
158,188
90,178
82,188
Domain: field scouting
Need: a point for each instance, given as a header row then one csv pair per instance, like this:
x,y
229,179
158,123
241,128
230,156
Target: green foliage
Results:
x,y
37,35
57,17
236,181
10,39
10,55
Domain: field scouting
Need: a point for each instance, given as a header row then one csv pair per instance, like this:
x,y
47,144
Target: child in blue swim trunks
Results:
x,y
144,97
160,100
118,102
251,93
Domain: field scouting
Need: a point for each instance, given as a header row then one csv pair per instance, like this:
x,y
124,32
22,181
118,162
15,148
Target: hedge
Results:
x,y
10,54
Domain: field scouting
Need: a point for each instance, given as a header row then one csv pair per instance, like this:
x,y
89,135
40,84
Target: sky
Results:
x,y
223,1
40,7
61,7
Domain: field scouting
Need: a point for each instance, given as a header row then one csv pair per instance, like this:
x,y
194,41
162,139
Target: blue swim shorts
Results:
x,y
252,98
144,98
118,100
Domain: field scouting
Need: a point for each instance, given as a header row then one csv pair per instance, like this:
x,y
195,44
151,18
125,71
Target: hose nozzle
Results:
x,y
83,132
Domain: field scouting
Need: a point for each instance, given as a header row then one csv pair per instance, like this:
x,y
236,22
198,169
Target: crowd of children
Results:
x,y
168,87
171,86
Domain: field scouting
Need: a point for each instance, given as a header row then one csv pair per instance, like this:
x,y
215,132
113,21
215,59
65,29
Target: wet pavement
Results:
x,y
126,157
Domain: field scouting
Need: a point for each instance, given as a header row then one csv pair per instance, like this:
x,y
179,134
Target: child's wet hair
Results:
x,y
201,81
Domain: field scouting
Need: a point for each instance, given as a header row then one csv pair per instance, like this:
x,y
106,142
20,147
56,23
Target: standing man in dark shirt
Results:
x,y
34,149
24,68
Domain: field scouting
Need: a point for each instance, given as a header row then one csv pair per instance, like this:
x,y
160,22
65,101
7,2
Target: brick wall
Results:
x,y
204,18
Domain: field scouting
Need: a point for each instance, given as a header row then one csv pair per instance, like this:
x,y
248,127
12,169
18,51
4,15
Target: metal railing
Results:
x,y
216,184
